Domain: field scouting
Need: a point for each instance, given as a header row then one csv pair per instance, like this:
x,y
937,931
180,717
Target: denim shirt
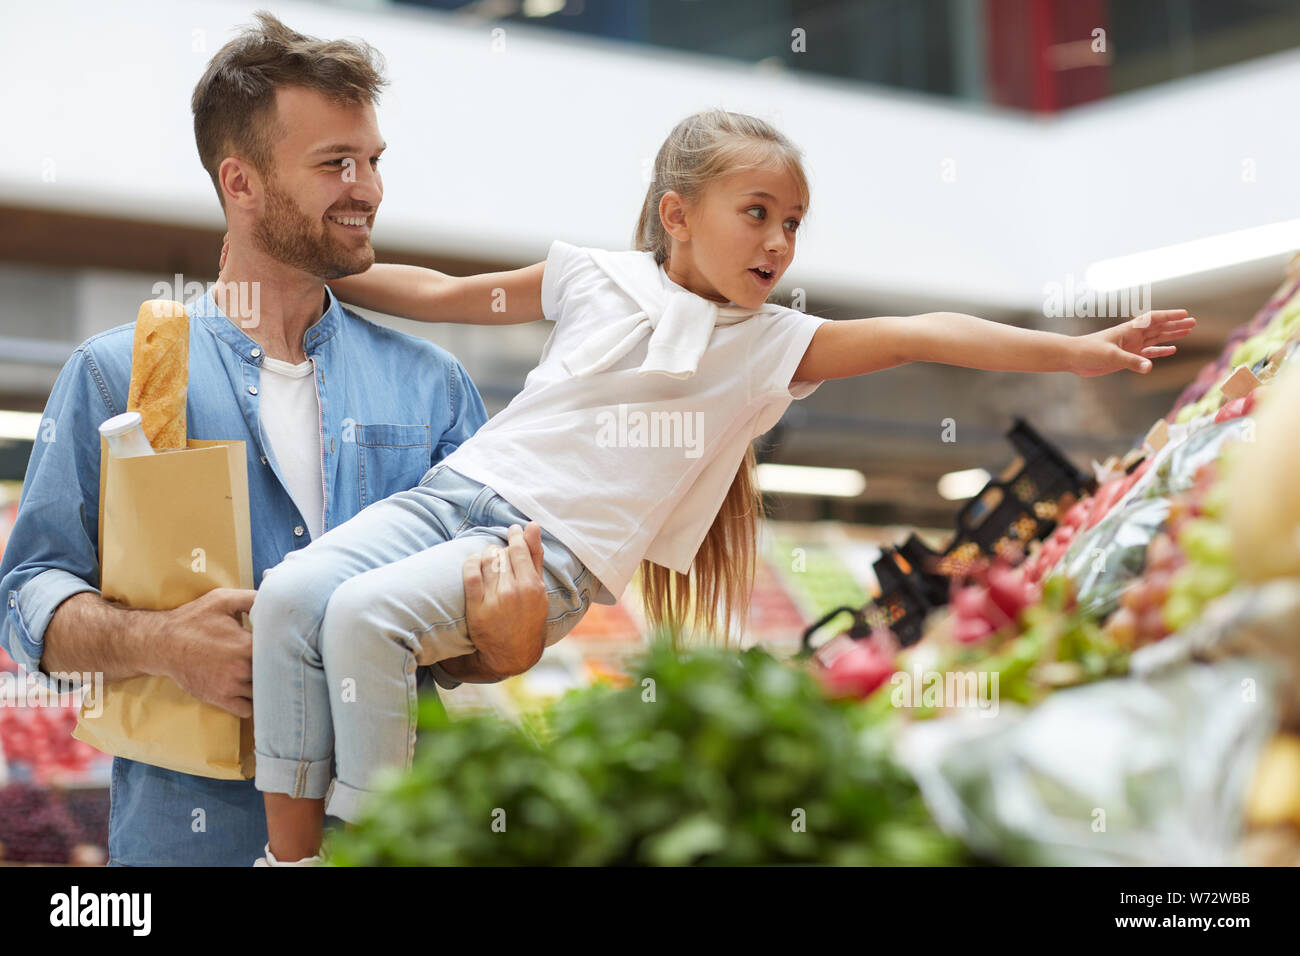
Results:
x,y
391,407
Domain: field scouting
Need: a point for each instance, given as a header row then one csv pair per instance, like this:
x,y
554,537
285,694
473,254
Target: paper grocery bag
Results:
x,y
172,526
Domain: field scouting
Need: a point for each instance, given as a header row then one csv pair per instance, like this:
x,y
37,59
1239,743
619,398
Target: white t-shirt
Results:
x,y
621,466
290,417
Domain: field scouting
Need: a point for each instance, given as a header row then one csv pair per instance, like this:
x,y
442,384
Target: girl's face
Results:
x,y
736,242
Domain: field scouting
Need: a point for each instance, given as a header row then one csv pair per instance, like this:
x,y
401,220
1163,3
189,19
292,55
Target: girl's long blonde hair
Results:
x,y
701,149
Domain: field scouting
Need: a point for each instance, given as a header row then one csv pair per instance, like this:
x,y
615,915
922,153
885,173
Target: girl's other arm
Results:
x,y
412,292
858,346
492,298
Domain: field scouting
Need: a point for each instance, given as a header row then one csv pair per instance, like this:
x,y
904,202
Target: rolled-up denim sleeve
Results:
x,y
467,413
52,551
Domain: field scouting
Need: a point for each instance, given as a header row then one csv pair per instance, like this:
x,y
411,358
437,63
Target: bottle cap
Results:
x,y
121,424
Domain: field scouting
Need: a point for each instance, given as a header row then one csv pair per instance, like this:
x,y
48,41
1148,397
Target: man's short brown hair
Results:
x,y
234,102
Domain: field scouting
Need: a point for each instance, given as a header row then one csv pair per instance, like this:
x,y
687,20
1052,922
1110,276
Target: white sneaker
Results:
x,y
270,860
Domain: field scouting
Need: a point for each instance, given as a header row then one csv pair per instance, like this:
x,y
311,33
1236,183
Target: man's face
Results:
x,y
324,192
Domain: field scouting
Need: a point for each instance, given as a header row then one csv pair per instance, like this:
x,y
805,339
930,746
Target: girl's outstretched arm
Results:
x,y
858,346
491,298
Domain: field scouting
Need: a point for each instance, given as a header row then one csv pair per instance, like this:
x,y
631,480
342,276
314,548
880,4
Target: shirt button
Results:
x,y
252,390
264,459
255,353
11,600
297,532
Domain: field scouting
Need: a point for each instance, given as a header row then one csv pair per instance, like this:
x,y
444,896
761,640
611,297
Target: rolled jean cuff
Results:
x,y
442,678
309,779
346,802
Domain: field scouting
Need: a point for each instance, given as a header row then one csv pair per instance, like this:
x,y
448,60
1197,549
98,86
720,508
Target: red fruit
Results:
x,y
1123,627
1136,598
1104,498
884,641
1008,591
1033,570
993,612
1078,514
968,602
1162,552
972,629
1052,554
857,672
1234,409
1157,580
1151,624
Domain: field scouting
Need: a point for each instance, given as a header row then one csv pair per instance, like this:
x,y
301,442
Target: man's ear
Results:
x,y
672,214
240,183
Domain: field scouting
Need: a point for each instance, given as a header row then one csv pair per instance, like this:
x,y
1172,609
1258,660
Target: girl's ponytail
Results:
x,y
715,594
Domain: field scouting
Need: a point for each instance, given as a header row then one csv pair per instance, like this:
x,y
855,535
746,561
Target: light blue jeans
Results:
x,y
338,625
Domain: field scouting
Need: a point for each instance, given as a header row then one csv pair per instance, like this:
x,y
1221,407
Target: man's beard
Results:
x,y
288,236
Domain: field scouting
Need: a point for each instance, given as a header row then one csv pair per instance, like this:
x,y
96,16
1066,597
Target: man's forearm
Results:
x,y
955,338
90,634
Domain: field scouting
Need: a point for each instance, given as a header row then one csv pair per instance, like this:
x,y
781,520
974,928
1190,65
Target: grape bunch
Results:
x,y
1188,565
1207,574
1140,617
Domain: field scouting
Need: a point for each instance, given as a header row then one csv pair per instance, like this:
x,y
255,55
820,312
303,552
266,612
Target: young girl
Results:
x,y
630,445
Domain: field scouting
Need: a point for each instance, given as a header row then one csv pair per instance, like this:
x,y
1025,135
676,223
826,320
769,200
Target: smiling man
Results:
x,y
336,413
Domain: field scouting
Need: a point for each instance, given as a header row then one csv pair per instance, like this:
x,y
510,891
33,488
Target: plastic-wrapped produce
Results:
x,y
1121,772
1105,559
1260,621
1114,555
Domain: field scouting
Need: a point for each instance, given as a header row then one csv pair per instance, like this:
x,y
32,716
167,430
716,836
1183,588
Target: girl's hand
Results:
x,y
1130,345
225,248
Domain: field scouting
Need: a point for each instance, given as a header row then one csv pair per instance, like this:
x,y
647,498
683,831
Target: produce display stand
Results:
x,y
1133,594
53,788
54,796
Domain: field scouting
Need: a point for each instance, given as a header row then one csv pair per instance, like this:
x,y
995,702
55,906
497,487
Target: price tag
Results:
x,y
1158,436
1240,383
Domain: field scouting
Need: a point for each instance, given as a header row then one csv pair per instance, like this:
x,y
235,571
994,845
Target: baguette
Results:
x,y
160,359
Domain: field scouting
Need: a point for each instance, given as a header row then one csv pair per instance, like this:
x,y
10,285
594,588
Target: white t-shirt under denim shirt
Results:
x,y
290,419
579,455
